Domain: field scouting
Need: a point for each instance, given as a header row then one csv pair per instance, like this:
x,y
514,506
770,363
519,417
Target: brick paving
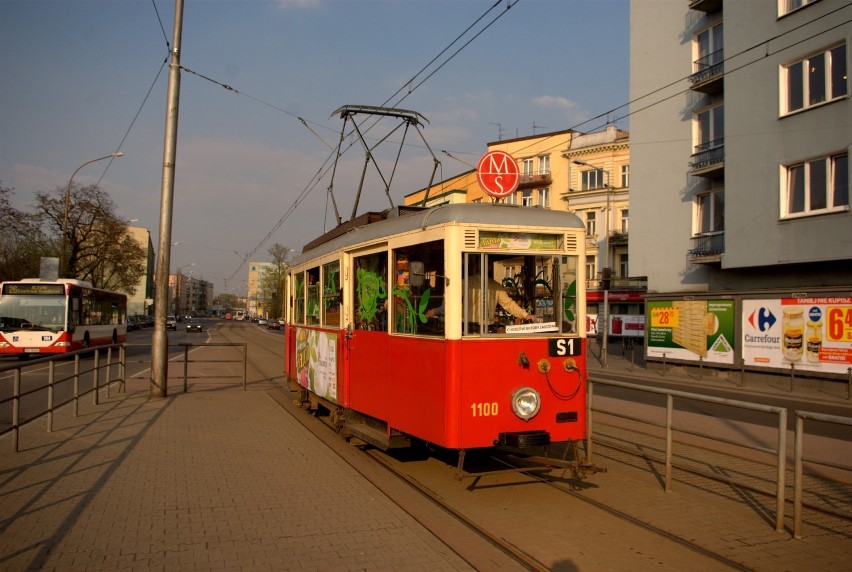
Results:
x,y
220,479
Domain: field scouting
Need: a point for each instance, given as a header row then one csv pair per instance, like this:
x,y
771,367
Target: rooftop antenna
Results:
x,y
537,127
499,130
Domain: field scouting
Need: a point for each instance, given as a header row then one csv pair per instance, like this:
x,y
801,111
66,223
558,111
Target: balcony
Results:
x,y
706,6
709,77
540,179
707,248
708,159
618,238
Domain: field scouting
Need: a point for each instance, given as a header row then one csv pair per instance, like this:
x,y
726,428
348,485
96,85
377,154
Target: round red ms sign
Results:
x,y
498,174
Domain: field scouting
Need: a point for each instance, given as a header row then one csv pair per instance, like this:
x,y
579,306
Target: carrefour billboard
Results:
x,y
812,334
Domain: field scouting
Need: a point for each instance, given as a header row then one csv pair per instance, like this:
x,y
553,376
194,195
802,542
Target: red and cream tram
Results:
x,y
458,325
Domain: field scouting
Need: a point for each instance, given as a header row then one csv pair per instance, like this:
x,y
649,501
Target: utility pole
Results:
x,y
160,339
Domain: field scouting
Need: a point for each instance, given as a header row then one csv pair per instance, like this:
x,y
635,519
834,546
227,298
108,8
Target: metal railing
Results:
x,y
799,459
101,377
779,451
95,370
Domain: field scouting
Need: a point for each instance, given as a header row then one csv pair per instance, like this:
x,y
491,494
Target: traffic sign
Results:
x,y
497,173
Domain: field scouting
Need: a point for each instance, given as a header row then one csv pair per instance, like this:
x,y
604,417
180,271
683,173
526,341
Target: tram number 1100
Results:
x,y
484,409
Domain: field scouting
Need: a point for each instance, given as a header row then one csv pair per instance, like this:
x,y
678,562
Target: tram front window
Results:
x,y
517,294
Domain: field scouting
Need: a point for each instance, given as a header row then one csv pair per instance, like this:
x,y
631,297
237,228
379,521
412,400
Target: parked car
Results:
x,y
133,323
171,323
193,325
262,322
273,324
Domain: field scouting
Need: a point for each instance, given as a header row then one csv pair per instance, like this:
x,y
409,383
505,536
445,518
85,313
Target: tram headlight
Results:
x,y
526,402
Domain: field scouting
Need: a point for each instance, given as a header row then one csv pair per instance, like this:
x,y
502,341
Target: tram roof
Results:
x,y
375,225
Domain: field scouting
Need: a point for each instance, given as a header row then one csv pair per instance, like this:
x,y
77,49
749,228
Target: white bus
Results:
x,y
58,316
239,315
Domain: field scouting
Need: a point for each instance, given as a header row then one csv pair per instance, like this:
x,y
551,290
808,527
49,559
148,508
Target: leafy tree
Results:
x,y
227,300
98,247
22,242
272,280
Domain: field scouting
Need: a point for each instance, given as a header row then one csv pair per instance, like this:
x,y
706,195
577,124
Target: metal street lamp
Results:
x,y
606,272
68,202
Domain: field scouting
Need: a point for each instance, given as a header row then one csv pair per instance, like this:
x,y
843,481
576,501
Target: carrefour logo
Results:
x,y
764,318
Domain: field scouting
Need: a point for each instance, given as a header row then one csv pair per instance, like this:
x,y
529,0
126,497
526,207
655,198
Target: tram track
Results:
x,y
414,479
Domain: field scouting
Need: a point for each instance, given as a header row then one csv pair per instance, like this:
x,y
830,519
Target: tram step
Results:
x,y
377,437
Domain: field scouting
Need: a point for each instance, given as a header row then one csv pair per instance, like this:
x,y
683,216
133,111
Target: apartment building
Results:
x,y
740,141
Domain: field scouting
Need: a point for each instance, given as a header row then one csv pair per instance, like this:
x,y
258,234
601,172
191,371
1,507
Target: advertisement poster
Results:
x,y
692,329
815,334
316,362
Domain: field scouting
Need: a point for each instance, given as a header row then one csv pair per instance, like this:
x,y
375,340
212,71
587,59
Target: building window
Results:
x,y
527,199
625,219
528,167
593,179
590,223
708,48
711,212
817,186
814,80
623,265
625,176
544,198
512,199
544,165
787,6
591,267
710,126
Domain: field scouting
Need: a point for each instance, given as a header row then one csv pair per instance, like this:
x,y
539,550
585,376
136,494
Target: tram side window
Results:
x,y
299,298
313,296
331,294
371,292
418,288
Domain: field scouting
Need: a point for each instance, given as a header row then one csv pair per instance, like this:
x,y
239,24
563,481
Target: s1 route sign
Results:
x,y
497,173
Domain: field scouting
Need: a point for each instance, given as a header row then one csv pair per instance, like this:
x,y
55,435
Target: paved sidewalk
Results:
x,y
211,480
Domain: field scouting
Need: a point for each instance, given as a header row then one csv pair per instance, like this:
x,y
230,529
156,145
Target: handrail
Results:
x,y
671,394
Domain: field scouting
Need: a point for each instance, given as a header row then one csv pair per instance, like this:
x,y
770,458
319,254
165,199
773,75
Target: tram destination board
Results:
x,y
559,347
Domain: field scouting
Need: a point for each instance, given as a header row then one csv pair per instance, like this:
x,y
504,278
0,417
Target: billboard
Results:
x,y
692,330
813,334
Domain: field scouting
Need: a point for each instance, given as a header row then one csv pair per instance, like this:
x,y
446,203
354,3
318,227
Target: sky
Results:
x,y
86,78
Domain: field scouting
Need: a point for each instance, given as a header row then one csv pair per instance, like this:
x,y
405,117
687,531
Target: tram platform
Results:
x,y
223,480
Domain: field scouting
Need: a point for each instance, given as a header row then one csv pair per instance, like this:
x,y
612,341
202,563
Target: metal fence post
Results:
x,y
122,368
245,365
669,415
16,408
185,366
782,460
51,375
797,477
95,372
76,384
109,370
589,396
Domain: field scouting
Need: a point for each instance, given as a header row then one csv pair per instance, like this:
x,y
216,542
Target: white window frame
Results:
x,y
591,223
707,44
544,165
528,167
797,71
836,177
789,6
625,220
592,179
544,198
711,130
715,221
625,176
526,198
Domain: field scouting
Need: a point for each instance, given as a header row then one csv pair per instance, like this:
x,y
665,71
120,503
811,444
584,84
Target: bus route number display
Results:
x,y
559,347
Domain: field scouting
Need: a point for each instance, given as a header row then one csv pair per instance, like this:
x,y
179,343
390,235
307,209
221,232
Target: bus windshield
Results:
x,y
27,312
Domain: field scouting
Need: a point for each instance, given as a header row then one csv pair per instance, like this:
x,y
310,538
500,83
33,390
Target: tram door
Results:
x,y
367,347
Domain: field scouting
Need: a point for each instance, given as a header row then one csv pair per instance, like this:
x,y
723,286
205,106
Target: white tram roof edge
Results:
x,y
405,219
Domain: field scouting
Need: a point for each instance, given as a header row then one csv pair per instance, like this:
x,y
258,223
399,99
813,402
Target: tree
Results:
x,y
272,280
22,242
98,248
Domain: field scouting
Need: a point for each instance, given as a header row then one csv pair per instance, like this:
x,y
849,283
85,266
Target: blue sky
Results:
x,y
77,72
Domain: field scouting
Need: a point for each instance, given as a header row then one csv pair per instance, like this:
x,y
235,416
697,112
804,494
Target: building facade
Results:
x,y
140,302
740,141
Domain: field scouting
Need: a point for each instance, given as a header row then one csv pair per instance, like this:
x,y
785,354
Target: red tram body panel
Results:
x,y
365,335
